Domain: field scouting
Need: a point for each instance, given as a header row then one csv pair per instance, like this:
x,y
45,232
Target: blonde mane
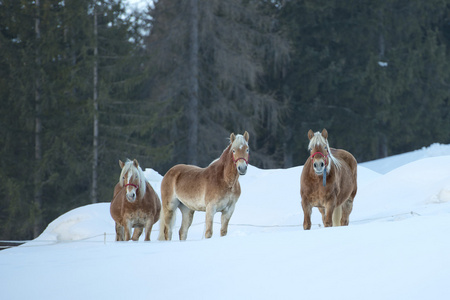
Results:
x,y
239,142
129,167
319,140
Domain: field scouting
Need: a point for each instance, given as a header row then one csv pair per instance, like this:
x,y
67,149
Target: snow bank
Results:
x,y
396,246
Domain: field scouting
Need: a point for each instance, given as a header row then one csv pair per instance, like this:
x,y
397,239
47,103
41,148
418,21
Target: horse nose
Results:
x,y
318,167
242,169
321,165
131,196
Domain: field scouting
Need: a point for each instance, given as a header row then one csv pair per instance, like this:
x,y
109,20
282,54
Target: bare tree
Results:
x,y
209,65
192,113
37,228
95,114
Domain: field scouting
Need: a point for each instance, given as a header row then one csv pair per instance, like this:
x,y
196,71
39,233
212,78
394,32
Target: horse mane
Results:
x,y
238,142
318,140
129,166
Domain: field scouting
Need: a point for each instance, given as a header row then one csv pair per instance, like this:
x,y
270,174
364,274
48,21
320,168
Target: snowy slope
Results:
x,y
396,246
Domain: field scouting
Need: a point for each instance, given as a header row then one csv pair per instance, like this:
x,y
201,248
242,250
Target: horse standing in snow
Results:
x,y
135,204
328,181
212,189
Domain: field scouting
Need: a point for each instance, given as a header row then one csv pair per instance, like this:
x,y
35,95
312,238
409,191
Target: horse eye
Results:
x,y
234,151
247,150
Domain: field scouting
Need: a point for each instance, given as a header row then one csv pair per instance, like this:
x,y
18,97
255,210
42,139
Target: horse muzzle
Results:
x,y
242,169
131,196
319,167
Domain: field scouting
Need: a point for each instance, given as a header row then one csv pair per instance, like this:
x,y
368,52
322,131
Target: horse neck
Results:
x,y
142,186
230,173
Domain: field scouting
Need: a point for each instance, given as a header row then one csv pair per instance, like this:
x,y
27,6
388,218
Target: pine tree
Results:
x,y
230,66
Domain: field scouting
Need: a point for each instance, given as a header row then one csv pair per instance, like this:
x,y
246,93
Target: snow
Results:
x,y
396,246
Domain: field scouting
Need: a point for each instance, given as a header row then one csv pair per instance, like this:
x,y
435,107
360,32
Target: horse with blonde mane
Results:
x,y
212,189
135,204
328,182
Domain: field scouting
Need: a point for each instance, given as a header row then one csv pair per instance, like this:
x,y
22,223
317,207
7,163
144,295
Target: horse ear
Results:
x,y
310,134
121,164
135,163
325,133
246,136
232,137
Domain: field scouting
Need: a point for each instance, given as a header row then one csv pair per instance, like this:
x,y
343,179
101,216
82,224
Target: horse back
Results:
x,y
348,174
348,160
182,177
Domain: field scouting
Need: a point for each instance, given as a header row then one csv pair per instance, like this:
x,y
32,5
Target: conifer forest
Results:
x,y
84,83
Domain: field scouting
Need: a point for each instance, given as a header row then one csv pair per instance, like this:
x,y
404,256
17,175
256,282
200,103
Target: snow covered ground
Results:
x,y
396,247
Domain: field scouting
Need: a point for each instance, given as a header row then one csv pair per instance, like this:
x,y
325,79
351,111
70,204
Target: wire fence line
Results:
x,y
6,244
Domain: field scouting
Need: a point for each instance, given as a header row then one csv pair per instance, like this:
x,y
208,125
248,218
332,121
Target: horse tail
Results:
x,y
337,216
163,227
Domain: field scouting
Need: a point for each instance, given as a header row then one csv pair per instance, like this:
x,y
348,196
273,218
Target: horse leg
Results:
x,y
187,217
337,216
307,210
329,214
323,213
127,229
347,208
148,228
137,233
225,219
119,232
210,211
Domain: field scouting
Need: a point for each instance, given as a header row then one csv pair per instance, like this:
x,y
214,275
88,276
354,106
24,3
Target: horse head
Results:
x,y
132,179
319,151
240,151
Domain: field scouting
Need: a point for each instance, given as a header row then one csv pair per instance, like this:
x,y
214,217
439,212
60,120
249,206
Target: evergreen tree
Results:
x,y
230,66
62,58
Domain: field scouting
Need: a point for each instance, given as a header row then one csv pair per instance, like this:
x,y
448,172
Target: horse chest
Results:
x,y
137,217
320,195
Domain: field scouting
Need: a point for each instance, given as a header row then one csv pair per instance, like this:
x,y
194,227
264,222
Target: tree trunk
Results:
x,y
382,146
287,149
95,100
192,107
37,226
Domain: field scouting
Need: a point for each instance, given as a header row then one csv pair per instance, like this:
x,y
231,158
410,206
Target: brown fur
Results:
x,y
212,189
140,214
340,189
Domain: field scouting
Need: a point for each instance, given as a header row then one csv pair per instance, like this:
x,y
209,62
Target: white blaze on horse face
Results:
x,y
240,152
131,190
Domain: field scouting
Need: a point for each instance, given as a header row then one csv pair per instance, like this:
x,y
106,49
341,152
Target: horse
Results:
x,y
328,182
212,189
135,203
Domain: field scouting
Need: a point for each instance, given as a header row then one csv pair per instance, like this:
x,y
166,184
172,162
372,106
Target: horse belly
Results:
x,y
193,204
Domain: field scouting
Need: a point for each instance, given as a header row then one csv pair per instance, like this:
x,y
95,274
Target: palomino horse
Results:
x,y
135,204
212,189
328,181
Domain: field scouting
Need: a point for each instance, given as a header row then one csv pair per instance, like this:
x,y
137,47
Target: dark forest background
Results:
x,y
84,84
